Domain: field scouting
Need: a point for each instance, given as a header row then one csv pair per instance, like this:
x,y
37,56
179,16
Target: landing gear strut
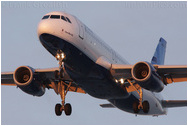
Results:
x,y
137,105
62,87
63,107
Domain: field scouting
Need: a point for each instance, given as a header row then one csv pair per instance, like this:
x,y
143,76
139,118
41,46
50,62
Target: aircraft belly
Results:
x,y
99,86
93,78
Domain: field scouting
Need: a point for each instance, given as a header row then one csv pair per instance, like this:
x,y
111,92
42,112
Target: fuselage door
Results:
x,y
81,29
81,35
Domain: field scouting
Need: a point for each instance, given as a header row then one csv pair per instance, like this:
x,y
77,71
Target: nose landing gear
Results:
x,y
62,87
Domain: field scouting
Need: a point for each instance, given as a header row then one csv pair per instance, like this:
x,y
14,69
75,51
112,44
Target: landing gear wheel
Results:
x,y
135,107
68,109
145,105
58,110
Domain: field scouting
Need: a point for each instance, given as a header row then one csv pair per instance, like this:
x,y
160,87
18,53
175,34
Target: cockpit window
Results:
x,y
68,19
55,16
46,17
62,17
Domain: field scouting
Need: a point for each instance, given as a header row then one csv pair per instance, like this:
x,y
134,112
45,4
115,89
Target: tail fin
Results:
x,y
159,55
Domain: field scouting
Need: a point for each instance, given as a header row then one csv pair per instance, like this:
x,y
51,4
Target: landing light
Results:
x,y
121,81
116,80
60,56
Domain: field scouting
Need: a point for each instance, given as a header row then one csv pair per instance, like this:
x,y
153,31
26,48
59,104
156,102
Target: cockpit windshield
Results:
x,y
62,17
46,17
57,17
68,19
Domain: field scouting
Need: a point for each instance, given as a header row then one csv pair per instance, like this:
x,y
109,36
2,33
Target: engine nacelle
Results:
x,y
29,82
145,75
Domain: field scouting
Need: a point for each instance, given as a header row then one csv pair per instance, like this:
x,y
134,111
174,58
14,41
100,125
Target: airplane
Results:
x,y
88,65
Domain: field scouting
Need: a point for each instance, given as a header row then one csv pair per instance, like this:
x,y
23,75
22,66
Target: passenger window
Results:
x,y
55,16
62,17
68,20
46,17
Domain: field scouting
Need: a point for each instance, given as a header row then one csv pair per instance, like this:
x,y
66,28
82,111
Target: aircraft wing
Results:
x,y
48,79
168,73
171,73
7,79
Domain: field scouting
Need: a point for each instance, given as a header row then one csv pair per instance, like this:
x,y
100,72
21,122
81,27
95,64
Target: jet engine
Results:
x,y
29,82
145,75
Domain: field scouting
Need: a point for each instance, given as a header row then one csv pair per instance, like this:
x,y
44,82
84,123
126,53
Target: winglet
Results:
x,y
159,55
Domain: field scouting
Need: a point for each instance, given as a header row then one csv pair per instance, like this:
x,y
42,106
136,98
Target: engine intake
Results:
x,y
145,75
141,71
29,82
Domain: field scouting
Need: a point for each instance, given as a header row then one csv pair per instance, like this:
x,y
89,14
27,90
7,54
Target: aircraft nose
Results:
x,y
50,34
44,27
49,27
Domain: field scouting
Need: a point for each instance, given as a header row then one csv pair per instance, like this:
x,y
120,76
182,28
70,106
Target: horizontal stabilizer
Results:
x,y
107,106
174,103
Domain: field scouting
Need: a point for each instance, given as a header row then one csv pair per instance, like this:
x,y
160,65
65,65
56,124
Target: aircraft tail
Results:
x,y
159,55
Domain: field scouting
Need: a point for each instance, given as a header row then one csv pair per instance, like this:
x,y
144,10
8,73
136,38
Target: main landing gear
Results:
x,y
62,88
137,105
66,107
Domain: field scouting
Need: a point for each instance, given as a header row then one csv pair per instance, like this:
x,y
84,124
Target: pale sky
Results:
x,y
132,29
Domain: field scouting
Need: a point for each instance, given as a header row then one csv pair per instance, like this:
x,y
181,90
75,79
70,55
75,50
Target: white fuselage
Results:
x,y
88,43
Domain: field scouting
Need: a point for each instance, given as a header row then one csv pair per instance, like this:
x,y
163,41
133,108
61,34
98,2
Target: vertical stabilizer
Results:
x,y
159,55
